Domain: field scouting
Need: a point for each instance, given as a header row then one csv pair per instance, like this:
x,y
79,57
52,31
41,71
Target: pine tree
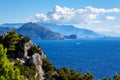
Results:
x,y
10,41
7,70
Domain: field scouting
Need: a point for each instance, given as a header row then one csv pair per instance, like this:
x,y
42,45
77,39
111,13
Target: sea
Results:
x,y
101,57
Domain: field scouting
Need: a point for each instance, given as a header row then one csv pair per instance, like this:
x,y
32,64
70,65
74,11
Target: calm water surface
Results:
x,y
100,57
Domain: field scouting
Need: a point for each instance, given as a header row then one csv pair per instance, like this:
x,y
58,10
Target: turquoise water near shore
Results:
x,y
100,57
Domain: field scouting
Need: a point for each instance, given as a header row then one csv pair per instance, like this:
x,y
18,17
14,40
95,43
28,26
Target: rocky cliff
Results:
x,y
31,62
25,54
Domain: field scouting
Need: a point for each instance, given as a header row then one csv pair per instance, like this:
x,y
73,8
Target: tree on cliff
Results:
x,y
11,39
7,70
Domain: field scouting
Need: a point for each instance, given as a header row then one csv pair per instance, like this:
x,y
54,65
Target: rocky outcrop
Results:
x,y
23,55
2,36
27,46
37,61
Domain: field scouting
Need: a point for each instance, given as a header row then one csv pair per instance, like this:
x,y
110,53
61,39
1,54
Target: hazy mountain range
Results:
x,y
15,25
70,29
6,29
49,31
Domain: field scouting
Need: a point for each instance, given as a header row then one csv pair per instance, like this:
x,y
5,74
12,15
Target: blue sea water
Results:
x,y
100,57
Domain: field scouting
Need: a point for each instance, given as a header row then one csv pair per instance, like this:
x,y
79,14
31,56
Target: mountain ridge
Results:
x,y
14,25
49,29
35,31
70,29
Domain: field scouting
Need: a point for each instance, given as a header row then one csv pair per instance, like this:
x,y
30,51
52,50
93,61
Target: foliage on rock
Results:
x,y
7,70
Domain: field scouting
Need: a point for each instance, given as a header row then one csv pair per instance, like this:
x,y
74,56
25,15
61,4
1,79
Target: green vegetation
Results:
x,y
47,66
26,39
34,49
115,77
48,69
7,70
28,72
14,66
64,73
15,44
11,39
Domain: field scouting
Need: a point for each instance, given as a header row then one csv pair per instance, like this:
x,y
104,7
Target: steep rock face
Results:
x,y
37,61
27,46
35,31
2,36
23,55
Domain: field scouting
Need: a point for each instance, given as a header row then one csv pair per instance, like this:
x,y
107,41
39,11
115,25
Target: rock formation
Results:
x,y
23,55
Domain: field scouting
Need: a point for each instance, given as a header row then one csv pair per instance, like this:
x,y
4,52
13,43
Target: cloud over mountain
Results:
x,y
65,15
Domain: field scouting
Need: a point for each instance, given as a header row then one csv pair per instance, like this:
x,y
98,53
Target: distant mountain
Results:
x,y
47,30
14,25
6,29
70,29
35,31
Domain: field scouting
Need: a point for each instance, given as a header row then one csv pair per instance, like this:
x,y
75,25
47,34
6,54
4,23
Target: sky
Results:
x,y
102,16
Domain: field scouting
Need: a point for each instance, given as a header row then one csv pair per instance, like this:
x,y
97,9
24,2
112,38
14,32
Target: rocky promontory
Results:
x,y
20,59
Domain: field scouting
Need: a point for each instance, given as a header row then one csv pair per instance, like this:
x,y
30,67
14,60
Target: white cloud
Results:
x,y
64,15
110,17
41,17
116,10
97,22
